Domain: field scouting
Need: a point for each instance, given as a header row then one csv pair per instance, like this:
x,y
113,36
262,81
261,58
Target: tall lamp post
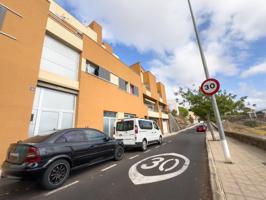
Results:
x,y
224,144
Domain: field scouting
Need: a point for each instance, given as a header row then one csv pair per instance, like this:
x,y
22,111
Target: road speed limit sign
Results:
x,y
210,86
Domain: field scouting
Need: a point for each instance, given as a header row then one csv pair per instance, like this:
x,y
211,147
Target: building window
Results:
x,y
122,84
151,105
97,71
2,15
127,115
134,90
92,69
131,89
104,74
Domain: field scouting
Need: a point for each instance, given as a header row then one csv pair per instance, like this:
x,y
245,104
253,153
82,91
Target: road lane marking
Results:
x,y
157,147
61,188
111,166
166,166
133,157
147,151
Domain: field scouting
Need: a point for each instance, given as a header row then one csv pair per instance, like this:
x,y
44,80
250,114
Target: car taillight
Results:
x,y
33,155
136,129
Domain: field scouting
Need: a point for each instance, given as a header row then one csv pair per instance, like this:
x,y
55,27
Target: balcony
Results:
x,y
165,116
148,89
153,114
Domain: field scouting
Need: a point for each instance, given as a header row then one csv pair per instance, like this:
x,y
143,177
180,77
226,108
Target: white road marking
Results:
x,y
158,161
157,147
147,151
61,188
111,166
133,157
164,144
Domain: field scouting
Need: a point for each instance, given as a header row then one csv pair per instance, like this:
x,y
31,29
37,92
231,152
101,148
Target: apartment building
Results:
x,y
58,73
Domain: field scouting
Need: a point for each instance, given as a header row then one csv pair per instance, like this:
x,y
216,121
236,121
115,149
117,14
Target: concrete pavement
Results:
x,y
245,179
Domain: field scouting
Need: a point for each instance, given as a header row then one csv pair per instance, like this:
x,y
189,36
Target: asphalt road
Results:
x,y
180,173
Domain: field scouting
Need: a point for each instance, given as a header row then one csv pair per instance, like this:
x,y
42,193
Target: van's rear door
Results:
x,y
125,131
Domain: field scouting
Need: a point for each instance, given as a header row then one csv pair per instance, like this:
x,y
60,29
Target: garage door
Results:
x,y
51,110
165,126
59,59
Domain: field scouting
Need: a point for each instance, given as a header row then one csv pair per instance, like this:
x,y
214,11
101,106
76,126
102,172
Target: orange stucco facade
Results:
x,y
24,29
20,54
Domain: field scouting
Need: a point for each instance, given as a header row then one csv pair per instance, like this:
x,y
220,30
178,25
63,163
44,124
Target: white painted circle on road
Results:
x,y
158,168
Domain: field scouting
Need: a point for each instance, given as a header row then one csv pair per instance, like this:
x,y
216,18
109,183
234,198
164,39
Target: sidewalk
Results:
x,y
245,178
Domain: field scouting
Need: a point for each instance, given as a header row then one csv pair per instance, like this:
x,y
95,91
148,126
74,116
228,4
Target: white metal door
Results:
x,y
51,110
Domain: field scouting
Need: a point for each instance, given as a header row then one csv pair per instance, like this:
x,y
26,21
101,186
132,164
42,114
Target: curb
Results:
x,y
216,185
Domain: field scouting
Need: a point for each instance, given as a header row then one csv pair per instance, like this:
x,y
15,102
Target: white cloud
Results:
x,y
254,96
165,27
254,70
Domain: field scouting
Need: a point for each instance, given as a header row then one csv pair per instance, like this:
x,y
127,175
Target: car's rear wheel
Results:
x,y
160,141
56,174
119,153
144,145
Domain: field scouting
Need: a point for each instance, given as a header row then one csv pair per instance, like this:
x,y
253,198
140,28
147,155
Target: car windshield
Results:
x,y
39,138
125,125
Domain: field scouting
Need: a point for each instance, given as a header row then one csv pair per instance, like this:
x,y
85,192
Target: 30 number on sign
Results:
x,y
210,86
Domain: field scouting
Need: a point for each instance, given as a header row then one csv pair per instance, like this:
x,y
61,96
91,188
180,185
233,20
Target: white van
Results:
x,y
136,132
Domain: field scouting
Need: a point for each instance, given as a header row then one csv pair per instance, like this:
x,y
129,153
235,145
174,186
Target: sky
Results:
x,y
160,35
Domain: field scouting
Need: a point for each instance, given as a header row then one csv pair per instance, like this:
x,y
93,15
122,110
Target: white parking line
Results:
x,y
108,167
61,188
133,157
147,151
157,147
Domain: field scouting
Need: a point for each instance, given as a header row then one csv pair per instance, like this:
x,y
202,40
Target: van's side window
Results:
x,y
155,126
145,124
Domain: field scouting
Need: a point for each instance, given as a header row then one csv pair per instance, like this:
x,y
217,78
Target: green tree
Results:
x,y
201,105
183,111
174,112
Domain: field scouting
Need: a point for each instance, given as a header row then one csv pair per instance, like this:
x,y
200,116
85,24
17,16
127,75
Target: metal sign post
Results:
x,y
226,151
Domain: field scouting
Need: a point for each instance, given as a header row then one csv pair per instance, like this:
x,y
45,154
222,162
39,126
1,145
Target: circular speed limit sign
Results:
x,y
210,86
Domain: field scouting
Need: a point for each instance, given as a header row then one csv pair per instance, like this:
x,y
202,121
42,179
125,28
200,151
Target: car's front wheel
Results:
x,y
56,174
119,153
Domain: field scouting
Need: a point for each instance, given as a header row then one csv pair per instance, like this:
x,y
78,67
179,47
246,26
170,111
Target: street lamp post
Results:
x,y
226,151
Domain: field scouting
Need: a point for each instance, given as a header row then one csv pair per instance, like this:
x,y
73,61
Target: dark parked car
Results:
x,y
201,128
50,157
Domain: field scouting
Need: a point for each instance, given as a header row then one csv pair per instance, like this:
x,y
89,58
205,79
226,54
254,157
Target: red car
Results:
x,y
201,128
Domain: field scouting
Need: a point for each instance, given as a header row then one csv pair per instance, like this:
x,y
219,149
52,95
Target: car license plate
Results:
x,y
14,155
